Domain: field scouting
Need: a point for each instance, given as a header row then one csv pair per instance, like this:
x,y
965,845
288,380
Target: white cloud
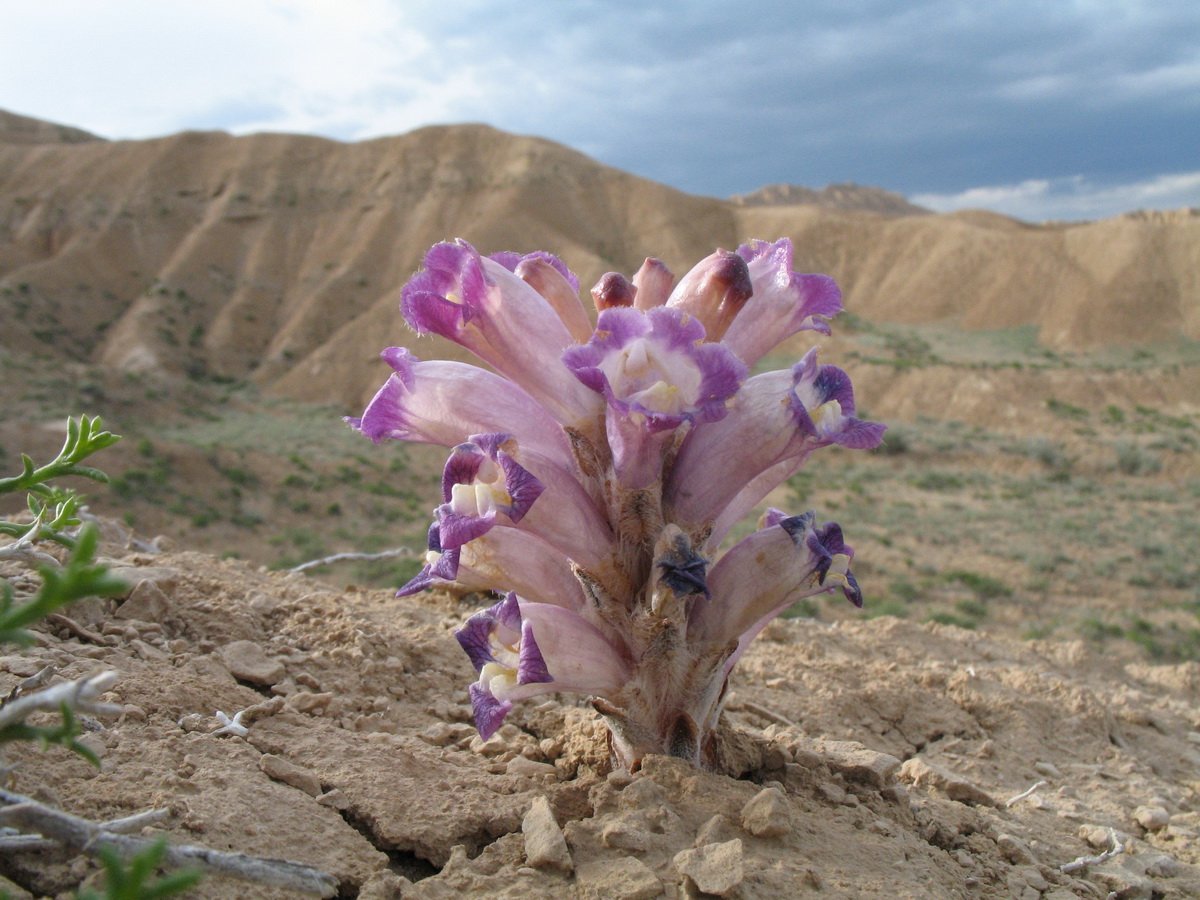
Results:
x,y
1074,198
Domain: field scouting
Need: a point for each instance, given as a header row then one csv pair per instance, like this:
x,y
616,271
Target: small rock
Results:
x,y
1048,769
1015,850
335,799
165,579
439,734
8,889
1157,865
1033,878
134,713
544,841
624,834
1121,881
766,814
920,773
147,602
21,666
627,878
1152,818
149,652
247,661
715,868
857,763
308,702
519,765
288,772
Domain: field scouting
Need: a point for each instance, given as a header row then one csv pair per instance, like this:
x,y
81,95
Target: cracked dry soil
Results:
x,y
870,759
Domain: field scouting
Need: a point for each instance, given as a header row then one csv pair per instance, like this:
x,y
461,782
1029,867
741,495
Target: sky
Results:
x,y
1040,109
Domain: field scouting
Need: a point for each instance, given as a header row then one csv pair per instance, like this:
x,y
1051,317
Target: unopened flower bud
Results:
x,y
540,275
613,289
653,282
715,291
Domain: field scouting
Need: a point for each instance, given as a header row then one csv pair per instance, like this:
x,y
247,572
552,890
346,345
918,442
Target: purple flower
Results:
x,y
485,307
655,372
595,472
521,649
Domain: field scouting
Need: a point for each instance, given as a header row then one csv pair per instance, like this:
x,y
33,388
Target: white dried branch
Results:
x,y
1024,794
1082,862
89,837
136,822
23,551
341,557
80,694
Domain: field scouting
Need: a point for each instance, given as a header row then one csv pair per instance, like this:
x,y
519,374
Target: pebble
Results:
x,y
1121,880
920,773
766,814
1152,818
148,652
520,765
247,661
280,769
335,799
545,845
715,868
857,763
1048,769
147,602
1015,850
715,830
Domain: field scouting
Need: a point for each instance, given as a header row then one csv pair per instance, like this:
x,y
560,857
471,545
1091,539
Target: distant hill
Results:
x,y
280,257
17,129
833,196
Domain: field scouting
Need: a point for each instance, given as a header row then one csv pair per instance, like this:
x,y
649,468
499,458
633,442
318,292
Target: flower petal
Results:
x,y
656,373
443,402
480,304
776,417
783,302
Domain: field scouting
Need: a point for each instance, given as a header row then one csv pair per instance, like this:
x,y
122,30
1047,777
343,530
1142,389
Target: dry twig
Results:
x,y
1082,862
89,837
1024,794
80,694
341,557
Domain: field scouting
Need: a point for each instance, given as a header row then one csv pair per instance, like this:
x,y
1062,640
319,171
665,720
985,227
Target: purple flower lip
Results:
x,y
656,364
656,372
784,301
481,481
521,649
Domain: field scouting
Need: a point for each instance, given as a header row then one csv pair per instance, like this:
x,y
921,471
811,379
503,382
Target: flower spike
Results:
x,y
594,472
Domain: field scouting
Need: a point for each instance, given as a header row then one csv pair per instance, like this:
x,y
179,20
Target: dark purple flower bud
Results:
x,y
613,289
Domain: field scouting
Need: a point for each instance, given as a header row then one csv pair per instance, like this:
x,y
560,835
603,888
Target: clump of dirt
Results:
x,y
875,759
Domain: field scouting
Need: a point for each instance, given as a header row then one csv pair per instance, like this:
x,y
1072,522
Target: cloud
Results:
x,y
1070,199
927,96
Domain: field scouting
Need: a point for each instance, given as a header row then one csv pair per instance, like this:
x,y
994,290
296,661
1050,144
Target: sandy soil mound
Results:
x,y
869,759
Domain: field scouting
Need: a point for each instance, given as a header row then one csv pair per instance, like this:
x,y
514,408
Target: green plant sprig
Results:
x,y
80,577
85,436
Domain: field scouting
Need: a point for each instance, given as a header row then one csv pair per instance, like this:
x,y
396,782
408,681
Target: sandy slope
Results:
x,y
359,758
279,257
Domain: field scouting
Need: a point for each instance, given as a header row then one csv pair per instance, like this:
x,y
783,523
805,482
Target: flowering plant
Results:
x,y
595,472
